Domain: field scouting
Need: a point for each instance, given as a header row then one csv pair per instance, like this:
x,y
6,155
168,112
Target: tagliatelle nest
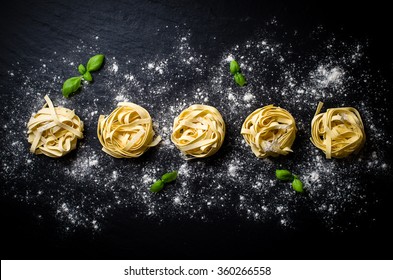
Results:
x,y
127,132
54,131
198,131
270,131
338,132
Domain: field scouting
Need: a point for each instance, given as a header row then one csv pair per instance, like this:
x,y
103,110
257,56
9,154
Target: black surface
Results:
x,y
40,25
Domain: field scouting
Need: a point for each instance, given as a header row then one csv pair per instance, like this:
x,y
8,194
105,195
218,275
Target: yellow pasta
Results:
x,y
54,131
338,132
270,131
198,131
127,132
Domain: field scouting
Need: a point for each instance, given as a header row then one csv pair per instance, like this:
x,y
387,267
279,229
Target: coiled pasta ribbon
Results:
x,y
127,132
338,132
198,131
270,131
54,131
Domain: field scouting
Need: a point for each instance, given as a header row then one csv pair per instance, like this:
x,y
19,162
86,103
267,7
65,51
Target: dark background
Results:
x,y
23,238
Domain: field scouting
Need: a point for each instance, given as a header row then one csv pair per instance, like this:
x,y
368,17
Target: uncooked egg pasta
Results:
x,y
338,132
198,131
127,132
270,131
54,131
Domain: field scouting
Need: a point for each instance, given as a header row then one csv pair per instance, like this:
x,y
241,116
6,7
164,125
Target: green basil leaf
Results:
x,y
284,175
71,85
169,177
297,185
157,186
240,79
234,67
81,69
87,76
95,62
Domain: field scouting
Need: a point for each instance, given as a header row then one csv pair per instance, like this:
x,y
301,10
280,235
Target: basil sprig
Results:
x,y
157,186
166,178
82,69
239,78
87,76
95,62
73,84
285,175
169,177
234,67
297,185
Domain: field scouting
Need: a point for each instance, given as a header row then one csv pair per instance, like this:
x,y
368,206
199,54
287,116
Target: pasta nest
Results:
x,y
198,131
54,131
270,131
338,132
127,132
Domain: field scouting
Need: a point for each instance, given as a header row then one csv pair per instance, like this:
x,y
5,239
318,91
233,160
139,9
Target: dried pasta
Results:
x,y
127,132
270,131
198,131
54,131
338,132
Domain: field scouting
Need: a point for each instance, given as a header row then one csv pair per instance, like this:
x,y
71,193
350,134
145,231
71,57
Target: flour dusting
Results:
x,y
234,181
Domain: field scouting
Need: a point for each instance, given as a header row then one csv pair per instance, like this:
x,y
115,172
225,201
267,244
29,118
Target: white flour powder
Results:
x,y
233,182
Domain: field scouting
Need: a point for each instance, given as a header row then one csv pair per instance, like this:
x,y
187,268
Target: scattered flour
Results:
x,y
232,170
115,68
233,182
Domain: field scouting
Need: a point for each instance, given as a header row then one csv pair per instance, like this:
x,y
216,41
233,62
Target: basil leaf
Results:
x,y
95,62
157,186
297,185
234,67
71,85
284,175
81,69
87,76
240,79
169,177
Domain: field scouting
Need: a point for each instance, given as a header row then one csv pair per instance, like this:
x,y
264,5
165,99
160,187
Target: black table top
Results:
x,y
166,56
